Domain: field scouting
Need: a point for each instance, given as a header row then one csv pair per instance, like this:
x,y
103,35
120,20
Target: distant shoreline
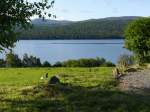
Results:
x,y
104,38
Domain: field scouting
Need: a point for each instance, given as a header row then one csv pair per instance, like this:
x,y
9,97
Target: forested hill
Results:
x,y
105,28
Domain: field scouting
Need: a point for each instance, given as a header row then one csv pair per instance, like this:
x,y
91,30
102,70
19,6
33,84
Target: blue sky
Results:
x,y
91,9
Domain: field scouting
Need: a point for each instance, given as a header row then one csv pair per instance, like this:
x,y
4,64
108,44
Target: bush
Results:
x,y
2,63
70,63
13,60
31,61
137,39
57,64
109,64
85,62
46,64
125,60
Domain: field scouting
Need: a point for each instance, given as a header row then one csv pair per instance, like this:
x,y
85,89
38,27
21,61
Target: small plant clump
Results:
x,y
124,61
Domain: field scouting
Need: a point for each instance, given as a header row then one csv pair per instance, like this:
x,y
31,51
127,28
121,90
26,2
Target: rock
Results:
x,y
54,80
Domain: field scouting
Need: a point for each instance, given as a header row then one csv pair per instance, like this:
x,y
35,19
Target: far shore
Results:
x,y
78,39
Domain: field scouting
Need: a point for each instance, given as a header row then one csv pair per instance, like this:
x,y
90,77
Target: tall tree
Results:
x,y
137,39
18,13
12,60
31,61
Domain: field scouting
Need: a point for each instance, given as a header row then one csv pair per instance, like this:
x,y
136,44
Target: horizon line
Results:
x,y
86,19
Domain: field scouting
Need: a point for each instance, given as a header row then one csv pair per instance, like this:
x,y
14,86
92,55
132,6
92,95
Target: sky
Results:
x,y
77,10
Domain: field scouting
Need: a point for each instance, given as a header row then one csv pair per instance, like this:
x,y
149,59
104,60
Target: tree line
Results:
x,y
13,60
108,28
85,62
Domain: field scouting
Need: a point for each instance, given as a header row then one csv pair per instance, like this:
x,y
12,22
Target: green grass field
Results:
x,y
77,76
82,90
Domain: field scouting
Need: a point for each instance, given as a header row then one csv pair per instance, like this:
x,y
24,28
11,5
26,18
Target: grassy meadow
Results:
x,y
20,77
82,90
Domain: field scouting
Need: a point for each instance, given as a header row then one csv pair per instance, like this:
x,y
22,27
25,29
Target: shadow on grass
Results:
x,y
68,98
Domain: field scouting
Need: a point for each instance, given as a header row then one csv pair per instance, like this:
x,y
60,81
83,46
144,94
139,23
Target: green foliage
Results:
x,y
31,61
71,63
57,64
86,62
2,63
109,64
17,13
12,60
138,39
46,64
89,29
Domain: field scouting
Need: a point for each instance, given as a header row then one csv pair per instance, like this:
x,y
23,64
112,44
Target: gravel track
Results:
x,y
138,81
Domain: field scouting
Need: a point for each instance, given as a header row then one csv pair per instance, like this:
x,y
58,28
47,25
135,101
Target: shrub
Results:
x,y
13,60
85,62
46,64
57,64
31,61
125,60
71,63
109,64
2,63
137,39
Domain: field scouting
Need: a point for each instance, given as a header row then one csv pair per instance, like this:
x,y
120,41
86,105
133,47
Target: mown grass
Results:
x,y
81,90
77,76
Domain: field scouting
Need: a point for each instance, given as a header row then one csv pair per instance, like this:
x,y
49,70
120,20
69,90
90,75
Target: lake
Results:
x,y
60,50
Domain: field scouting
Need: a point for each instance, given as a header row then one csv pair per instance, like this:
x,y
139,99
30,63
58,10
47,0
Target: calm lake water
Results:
x,y
60,50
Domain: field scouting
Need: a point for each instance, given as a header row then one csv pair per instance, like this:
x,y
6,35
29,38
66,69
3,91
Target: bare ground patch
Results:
x,y
136,81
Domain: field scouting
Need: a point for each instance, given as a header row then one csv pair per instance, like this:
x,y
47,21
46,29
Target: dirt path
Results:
x,y
138,81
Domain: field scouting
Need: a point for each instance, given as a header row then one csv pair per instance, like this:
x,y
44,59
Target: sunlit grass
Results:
x,y
78,76
82,90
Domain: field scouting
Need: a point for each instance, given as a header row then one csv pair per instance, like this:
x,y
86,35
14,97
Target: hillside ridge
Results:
x,y
105,28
